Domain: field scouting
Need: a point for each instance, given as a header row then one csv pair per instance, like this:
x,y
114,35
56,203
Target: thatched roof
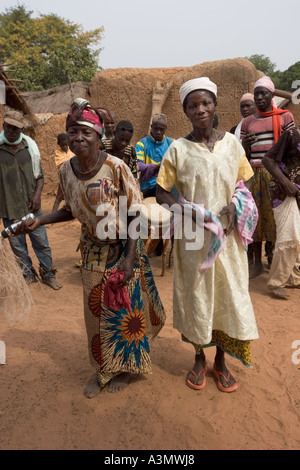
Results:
x,y
13,97
57,100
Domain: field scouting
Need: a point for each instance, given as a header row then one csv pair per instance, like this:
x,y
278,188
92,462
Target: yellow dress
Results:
x,y
215,308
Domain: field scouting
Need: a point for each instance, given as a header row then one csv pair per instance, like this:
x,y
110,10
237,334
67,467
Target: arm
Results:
x,y
277,154
148,170
63,215
288,187
127,264
247,142
247,138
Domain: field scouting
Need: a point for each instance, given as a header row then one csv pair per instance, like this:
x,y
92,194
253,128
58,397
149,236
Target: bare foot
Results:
x,y
52,282
119,382
280,293
93,388
197,377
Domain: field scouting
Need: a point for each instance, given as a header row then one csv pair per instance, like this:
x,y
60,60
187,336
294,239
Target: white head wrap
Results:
x,y
202,83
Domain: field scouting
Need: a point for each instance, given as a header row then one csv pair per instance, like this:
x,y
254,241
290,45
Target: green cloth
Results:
x,y
17,183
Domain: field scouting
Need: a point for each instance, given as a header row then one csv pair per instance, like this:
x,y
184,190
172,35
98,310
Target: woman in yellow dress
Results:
x,y
213,309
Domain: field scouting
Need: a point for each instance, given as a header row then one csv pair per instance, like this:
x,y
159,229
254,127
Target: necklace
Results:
x,y
89,171
207,145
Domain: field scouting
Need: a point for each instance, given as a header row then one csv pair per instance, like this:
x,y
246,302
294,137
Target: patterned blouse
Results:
x,y
90,201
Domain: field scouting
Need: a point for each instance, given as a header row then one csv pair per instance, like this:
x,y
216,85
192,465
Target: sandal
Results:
x,y
195,386
230,389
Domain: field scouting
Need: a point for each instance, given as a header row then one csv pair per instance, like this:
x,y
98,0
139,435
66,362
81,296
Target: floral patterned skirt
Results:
x,y
119,341
260,189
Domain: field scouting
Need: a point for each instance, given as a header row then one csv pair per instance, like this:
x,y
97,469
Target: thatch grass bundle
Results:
x,y
15,298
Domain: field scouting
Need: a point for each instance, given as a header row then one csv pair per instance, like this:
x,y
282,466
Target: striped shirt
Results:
x,y
263,129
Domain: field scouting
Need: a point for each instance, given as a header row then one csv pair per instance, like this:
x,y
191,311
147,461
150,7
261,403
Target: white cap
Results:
x,y
202,83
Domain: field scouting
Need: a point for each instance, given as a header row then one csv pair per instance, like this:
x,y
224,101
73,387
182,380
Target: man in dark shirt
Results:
x,y
21,184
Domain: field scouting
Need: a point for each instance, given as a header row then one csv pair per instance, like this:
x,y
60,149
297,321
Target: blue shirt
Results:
x,y
150,151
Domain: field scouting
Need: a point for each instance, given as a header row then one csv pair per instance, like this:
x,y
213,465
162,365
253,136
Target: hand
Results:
x,y
127,267
290,189
229,211
35,203
249,140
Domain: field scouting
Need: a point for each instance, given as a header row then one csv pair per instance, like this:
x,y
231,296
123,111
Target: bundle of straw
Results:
x,y
15,298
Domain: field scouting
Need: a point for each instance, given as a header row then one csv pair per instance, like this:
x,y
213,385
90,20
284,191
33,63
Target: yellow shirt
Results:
x,y
61,156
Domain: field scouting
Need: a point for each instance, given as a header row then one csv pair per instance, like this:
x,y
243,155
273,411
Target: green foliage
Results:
x,y
262,63
286,79
47,51
282,80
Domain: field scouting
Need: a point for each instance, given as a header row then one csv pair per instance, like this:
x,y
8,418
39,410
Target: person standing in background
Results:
x,y
110,121
21,185
150,152
120,146
247,108
62,154
259,132
283,163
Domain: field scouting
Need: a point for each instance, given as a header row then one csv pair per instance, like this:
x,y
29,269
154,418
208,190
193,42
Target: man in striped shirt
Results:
x,y
259,132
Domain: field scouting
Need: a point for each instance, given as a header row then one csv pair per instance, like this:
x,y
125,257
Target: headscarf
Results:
x,y
84,114
202,83
266,82
247,97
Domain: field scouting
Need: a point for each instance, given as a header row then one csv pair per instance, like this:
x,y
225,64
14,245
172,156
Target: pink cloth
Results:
x,y
91,117
246,213
265,82
115,295
247,97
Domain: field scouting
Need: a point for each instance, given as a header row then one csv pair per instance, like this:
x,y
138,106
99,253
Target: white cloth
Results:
x,y
286,259
218,300
237,132
202,83
2,353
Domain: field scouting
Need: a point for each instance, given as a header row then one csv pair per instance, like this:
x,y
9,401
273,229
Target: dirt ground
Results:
x,y
42,406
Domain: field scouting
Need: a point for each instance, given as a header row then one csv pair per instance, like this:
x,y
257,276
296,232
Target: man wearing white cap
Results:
x,y
21,184
259,132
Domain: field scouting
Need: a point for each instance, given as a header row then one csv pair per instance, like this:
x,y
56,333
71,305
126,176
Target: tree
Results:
x,y
47,51
263,63
287,78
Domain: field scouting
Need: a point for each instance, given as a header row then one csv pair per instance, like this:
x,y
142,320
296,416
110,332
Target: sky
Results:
x,y
173,33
